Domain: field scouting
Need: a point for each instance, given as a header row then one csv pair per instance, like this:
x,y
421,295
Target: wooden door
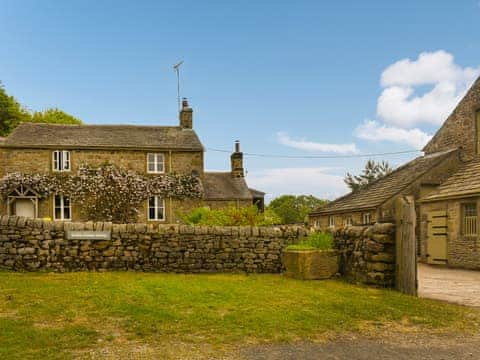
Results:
x,y
437,237
25,207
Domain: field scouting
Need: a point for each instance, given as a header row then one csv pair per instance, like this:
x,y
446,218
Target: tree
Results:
x,y
11,112
373,171
54,116
295,209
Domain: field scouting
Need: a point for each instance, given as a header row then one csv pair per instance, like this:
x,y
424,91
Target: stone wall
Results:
x,y
459,130
34,244
40,160
367,253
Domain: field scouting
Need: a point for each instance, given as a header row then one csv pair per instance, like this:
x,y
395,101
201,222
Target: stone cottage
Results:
x,y
34,148
445,184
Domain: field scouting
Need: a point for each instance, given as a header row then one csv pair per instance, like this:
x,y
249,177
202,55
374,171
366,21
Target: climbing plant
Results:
x,y
106,193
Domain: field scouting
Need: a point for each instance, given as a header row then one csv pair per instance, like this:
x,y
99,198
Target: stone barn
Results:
x,y
445,183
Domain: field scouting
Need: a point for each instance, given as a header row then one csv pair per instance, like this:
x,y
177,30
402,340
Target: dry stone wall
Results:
x,y
367,253
38,245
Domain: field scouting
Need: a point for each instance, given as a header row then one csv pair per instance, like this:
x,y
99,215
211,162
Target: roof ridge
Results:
x,y
29,123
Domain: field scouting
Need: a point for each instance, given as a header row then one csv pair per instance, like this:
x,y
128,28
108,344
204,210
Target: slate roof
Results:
x,y
466,181
256,193
222,186
35,135
385,188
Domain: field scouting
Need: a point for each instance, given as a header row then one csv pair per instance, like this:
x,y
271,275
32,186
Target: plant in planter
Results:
x,y
312,259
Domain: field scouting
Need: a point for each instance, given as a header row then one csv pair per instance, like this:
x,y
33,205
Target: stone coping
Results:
x,y
281,231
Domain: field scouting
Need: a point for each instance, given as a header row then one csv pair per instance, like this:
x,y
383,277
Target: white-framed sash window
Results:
x,y
61,160
155,163
62,208
156,208
367,218
331,221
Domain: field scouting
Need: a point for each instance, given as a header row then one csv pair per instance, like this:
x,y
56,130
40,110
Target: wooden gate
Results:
x,y
405,242
437,237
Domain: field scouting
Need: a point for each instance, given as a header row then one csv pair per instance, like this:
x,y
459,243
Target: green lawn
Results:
x,y
77,314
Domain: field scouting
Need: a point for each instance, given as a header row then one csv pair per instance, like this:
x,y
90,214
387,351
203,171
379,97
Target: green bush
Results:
x,y
315,241
230,216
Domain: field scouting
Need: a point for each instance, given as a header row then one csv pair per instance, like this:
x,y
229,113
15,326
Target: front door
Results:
x,y
437,237
25,207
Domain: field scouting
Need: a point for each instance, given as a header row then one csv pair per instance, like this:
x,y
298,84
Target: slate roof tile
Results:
x,y
37,135
385,188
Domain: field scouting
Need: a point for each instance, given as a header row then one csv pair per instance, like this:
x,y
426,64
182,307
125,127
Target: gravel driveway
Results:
x,y
399,347
453,285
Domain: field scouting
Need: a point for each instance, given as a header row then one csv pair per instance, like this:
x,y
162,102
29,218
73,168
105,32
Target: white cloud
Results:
x,y
303,144
374,131
316,181
401,105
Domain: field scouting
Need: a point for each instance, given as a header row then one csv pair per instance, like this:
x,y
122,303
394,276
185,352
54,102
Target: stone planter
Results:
x,y
310,264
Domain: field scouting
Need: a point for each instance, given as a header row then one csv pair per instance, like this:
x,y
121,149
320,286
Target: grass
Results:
x,y
67,315
315,241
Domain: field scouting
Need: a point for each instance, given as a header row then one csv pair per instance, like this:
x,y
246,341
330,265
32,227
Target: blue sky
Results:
x,y
288,78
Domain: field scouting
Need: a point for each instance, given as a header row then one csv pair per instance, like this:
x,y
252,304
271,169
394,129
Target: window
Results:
x,y
331,221
61,160
156,208
155,163
367,218
348,221
62,208
470,219
317,224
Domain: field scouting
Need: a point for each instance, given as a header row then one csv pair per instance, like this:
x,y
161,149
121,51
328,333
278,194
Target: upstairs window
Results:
x,y
61,160
156,208
155,163
331,221
470,219
367,218
62,208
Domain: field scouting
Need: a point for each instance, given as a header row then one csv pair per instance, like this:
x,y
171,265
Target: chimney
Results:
x,y
186,115
237,161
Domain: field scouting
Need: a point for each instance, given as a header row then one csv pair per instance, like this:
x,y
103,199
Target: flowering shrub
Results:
x,y
106,193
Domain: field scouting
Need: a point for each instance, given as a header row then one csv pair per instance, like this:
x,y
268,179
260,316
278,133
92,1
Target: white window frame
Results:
x,y
331,221
348,221
316,224
157,200
61,160
62,208
366,218
156,163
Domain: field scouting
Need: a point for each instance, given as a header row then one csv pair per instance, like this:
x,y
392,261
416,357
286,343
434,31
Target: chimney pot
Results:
x,y
237,146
